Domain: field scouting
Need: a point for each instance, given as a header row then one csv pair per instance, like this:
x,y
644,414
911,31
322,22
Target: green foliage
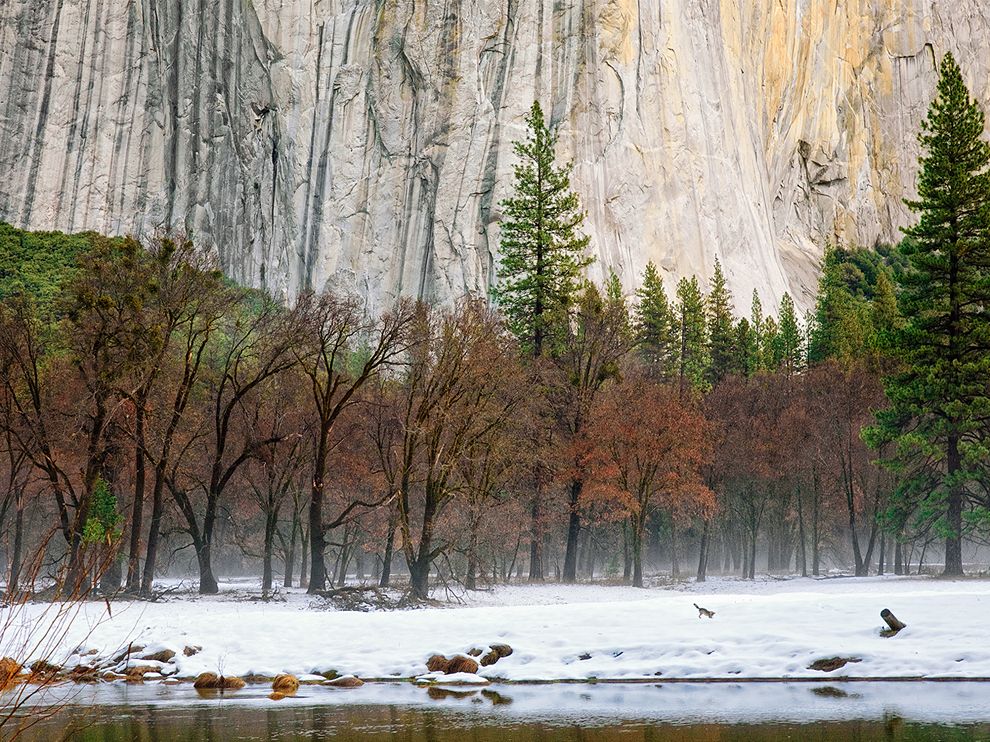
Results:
x,y
885,314
104,522
744,345
788,347
39,264
692,356
842,326
542,248
755,356
936,425
655,325
721,333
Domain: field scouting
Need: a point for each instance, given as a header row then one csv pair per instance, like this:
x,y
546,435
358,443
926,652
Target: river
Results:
x,y
913,712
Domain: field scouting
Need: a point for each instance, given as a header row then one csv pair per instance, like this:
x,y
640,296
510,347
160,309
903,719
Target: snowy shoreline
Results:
x,y
767,631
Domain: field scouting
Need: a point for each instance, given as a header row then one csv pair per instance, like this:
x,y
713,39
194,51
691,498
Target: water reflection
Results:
x,y
911,712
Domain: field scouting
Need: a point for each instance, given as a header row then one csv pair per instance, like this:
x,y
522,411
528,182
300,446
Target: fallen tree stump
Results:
x,y
892,622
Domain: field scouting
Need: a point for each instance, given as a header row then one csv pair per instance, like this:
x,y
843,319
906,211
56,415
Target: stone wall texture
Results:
x,y
366,144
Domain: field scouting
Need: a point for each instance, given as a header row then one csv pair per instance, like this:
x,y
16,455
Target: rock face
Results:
x,y
365,144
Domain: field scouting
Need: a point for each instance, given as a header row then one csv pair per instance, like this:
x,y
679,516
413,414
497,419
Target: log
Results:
x,y
892,621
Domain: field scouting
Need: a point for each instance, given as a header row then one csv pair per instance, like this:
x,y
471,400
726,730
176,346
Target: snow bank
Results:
x,y
770,629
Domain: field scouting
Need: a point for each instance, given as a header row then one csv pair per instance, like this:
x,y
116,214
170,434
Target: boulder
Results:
x,y
345,681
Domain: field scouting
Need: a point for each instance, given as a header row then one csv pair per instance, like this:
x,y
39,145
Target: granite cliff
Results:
x,y
365,144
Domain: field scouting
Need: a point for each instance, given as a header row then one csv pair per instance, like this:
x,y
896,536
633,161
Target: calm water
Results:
x,y
600,713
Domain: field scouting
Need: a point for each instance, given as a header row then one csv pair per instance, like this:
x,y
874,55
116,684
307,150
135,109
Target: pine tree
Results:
x,y
721,335
939,403
615,300
885,315
770,356
693,351
789,352
754,353
843,328
543,250
742,362
657,332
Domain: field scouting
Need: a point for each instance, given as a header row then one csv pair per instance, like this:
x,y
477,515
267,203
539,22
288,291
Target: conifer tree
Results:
x,y
693,351
754,353
657,331
742,362
770,357
842,328
721,335
543,250
939,402
885,314
790,342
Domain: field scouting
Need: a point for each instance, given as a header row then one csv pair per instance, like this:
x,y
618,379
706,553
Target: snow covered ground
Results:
x,y
763,629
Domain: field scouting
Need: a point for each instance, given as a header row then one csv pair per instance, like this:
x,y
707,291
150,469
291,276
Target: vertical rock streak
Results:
x,y
366,144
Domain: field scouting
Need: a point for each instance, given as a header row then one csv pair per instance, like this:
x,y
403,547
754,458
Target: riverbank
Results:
x,y
768,630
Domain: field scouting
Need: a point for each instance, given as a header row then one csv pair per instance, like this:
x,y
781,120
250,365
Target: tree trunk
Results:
x,y
573,531
387,557
675,566
18,548
536,540
470,579
953,542
882,552
317,537
137,511
703,555
637,553
290,554
892,621
154,530
207,582
266,576
110,571
303,562
317,543
803,548
419,579
752,557
627,549
898,558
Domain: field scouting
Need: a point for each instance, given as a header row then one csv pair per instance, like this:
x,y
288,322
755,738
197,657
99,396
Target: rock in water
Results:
x,y
212,681
294,138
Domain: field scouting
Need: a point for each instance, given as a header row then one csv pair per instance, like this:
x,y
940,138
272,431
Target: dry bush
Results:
x,y
212,681
495,653
34,633
285,684
448,666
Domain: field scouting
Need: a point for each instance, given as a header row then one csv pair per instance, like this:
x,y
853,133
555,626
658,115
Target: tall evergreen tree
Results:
x,y
692,360
789,352
885,314
657,331
939,402
742,362
842,326
754,353
543,250
721,333
770,355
